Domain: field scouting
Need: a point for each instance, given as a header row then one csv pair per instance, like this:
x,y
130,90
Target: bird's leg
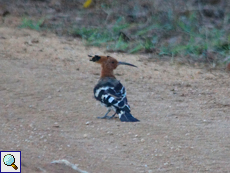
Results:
x,y
105,116
110,117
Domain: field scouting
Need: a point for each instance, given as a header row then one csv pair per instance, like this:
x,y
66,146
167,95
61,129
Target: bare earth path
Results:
x,y
48,112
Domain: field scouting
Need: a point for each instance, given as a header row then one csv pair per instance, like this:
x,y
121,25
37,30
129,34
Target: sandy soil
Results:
x,y
48,111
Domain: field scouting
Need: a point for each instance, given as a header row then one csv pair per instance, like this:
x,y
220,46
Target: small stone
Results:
x,y
87,123
56,125
142,140
228,67
110,133
35,40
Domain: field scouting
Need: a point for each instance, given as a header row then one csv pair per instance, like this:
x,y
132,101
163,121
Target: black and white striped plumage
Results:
x,y
111,93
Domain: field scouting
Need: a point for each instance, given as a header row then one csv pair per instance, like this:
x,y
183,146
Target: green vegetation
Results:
x,y
190,38
134,28
31,24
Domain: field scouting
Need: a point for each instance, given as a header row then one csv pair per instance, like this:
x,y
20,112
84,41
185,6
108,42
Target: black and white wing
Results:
x,y
113,95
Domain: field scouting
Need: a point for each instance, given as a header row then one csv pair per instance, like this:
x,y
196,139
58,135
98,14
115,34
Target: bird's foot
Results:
x,y
104,117
110,117
107,117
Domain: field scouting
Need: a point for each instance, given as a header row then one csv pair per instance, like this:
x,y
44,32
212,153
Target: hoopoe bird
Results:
x,y
109,91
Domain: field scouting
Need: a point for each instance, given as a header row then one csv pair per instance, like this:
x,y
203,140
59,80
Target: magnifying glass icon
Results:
x,y
9,160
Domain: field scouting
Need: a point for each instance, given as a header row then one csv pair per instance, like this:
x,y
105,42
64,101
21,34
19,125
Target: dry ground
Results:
x,y
48,111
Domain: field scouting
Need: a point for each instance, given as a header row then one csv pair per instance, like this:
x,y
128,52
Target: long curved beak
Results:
x,y
125,63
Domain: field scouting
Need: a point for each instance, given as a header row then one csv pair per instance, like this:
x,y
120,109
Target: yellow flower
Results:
x,y
87,3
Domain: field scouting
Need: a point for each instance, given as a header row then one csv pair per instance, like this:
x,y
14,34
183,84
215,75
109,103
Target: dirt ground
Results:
x,y
48,111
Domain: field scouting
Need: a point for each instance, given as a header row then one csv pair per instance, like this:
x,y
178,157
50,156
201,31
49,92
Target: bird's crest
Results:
x,y
95,58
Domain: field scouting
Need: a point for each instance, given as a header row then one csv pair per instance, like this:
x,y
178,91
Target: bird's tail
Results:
x,y
126,117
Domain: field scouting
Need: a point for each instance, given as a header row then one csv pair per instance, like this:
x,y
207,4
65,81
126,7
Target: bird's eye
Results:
x,y
113,62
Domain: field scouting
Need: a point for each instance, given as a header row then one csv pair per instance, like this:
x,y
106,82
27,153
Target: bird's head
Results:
x,y
108,62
